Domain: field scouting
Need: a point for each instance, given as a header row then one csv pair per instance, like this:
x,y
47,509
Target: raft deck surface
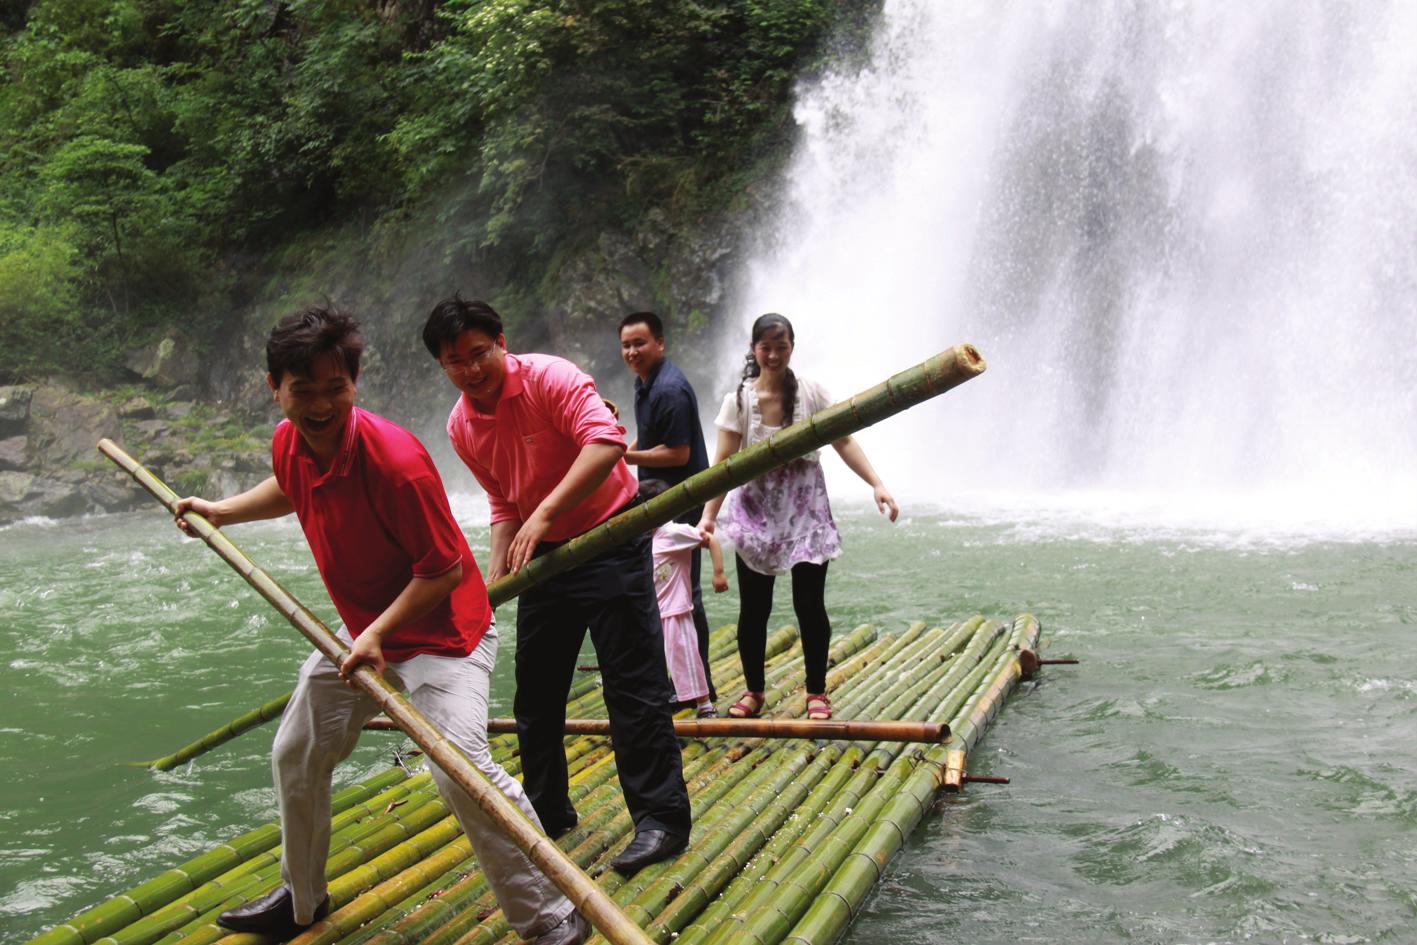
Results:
x,y
789,835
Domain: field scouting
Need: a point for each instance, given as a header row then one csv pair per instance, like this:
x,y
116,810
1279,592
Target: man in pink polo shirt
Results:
x,y
537,435
415,609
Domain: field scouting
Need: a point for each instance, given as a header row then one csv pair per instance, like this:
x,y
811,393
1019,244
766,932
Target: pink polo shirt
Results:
x,y
548,410
376,519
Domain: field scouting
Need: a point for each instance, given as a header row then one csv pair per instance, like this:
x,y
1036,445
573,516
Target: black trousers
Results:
x,y
614,596
809,589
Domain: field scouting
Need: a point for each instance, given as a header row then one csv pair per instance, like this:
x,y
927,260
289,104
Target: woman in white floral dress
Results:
x,y
781,522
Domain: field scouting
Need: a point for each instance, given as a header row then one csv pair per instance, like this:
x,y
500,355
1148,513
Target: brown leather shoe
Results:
x,y
272,914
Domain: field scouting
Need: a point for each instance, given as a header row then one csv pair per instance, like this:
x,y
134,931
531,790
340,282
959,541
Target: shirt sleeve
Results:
x,y
416,513
728,417
576,408
501,507
280,450
674,536
819,398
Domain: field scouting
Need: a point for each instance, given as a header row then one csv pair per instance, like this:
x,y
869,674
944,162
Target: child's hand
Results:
x,y
720,583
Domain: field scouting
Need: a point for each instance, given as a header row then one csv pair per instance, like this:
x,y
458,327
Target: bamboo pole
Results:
x,y
832,729
578,887
930,378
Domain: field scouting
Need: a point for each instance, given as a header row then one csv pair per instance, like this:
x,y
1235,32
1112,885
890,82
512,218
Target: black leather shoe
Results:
x,y
649,846
572,930
557,831
272,914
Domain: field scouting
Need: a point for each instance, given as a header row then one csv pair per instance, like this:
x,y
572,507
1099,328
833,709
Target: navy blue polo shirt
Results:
x,y
667,414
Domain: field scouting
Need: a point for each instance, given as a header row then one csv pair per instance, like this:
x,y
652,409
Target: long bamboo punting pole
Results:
x,y
602,911
929,378
836,730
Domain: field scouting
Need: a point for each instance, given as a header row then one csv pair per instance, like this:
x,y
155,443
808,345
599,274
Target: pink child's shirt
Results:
x,y
673,546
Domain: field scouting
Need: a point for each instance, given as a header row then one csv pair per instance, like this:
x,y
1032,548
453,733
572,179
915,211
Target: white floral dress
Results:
x,y
782,518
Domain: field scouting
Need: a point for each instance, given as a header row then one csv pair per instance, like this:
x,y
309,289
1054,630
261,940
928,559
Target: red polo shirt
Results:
x,y
547,411
377,518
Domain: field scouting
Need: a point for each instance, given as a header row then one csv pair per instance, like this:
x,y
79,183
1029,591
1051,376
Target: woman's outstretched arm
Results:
x,y
855,458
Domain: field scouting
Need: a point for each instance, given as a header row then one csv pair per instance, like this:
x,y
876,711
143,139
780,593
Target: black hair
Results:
x,y
650,488
656,327
453,316
298,340
763,325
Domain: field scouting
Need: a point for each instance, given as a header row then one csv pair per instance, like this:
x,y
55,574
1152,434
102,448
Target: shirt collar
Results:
x,y
642,385
512,385
344,453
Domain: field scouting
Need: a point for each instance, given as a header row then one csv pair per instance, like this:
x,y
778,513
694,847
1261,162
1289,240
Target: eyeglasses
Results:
x,y
477,359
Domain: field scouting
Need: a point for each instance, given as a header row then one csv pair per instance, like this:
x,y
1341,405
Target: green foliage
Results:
x,y
565,109
40,286
156,155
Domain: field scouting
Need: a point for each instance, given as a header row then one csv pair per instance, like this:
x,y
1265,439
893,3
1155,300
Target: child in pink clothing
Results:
x,y
673,547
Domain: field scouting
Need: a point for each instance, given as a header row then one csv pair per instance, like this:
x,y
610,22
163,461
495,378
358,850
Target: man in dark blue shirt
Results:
x,y
669,438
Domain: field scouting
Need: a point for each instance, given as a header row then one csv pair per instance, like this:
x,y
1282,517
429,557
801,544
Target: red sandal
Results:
x,y
819,707
749,706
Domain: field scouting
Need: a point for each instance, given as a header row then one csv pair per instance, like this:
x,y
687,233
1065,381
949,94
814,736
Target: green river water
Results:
x,y
1233,761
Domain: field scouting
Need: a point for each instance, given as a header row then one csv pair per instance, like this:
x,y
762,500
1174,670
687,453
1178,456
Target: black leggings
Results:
x,y
809,588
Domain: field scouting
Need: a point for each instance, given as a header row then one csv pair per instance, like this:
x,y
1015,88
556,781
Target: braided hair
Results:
x,y
751,369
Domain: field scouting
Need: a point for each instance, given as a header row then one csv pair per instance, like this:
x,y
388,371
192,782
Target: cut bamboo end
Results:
x,y
954,772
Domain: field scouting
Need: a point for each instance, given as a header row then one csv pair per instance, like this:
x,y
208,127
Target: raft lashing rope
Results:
x,y
790,835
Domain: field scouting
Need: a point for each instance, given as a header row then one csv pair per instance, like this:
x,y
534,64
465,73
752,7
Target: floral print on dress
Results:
x,y
783,518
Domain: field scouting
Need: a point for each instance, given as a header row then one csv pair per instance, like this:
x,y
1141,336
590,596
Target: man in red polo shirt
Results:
x,y
540,440
415,609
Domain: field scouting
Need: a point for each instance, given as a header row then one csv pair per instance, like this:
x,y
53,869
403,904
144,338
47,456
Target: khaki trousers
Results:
x,y
320,728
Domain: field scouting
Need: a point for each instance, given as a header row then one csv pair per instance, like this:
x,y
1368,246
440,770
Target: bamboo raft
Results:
x,y
792,828
790,835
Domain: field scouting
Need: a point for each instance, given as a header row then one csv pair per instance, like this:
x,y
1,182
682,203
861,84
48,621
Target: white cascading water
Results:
x,y
1183,235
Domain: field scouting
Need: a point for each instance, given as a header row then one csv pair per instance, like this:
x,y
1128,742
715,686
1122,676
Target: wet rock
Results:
x,y
60,500
14,409
65,426
24,494
115,495
172,362
13,452
137,409
14,486
153,429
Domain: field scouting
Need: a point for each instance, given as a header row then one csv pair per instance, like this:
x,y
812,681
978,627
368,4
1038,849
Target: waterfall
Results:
x,y
1183,235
